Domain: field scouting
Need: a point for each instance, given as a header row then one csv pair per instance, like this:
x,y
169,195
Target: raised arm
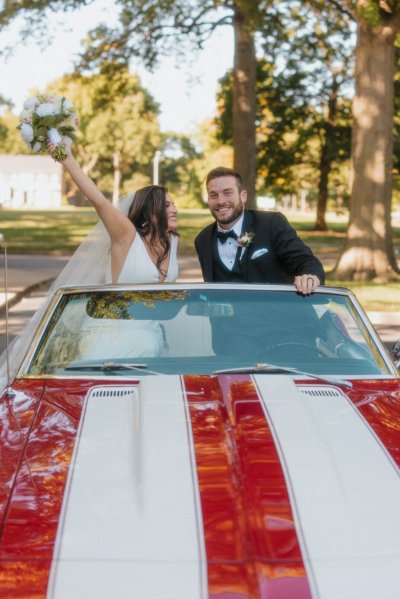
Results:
x,y
119,227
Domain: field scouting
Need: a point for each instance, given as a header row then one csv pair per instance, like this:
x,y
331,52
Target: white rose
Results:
x,y
57,102
46,109
27,132
54,136
37,146
31,103
25,116
68,105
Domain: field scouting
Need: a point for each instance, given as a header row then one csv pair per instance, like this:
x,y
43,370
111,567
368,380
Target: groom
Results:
x,y
251,246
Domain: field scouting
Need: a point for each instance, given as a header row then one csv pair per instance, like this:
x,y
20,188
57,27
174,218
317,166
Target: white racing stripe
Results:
x,y
131,521
344,490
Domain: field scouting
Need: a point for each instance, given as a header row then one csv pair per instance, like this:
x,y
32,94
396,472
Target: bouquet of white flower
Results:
x,y
47,117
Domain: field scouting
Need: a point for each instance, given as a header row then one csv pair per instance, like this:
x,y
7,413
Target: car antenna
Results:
x,y
9,391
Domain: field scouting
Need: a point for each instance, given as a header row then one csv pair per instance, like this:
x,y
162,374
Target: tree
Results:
x,y
290,127
282,120
213,152
11,141
396,140
150,27
118,125
299,88
368,252
324,49
178,170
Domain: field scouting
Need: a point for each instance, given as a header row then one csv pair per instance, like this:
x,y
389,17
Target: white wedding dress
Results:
x,y
129,338
140,268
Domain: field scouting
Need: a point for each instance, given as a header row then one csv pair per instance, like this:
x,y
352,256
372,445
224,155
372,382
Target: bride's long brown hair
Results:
x,y
149,215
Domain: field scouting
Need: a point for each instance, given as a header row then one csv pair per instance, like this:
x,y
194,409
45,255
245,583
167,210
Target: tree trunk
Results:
x,y
368,252
326,159
244,103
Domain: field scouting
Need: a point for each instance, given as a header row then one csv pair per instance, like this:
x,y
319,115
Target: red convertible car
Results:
x,y
201,441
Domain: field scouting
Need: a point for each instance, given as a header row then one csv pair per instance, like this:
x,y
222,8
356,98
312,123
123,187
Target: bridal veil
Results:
x,y
87,266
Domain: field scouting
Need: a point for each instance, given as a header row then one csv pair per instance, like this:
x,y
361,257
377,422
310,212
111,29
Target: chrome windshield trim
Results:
x,y
69,290
371,330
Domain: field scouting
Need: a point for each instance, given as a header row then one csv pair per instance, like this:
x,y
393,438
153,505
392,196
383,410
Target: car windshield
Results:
x,y
200,331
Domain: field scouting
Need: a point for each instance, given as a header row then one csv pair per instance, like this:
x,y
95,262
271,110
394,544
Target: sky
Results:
x,y
185,91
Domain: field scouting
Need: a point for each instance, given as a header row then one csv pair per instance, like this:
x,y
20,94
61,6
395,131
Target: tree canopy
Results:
x,y
147,28
119,131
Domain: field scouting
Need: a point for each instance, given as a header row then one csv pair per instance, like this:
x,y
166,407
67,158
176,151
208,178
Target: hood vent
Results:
x,y
108,392
320,391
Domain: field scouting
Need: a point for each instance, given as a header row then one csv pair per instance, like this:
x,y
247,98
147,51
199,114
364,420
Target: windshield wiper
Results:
x,y
110,366
273,368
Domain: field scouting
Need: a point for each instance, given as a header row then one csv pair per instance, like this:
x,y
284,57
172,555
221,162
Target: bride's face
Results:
x,y
172,213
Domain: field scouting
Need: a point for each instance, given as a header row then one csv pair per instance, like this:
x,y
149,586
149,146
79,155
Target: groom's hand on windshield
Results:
x,y
306,284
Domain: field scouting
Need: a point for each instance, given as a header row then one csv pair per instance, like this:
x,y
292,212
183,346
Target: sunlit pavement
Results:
x,y
26,271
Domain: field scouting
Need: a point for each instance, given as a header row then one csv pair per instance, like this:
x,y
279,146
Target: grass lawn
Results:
x,y
373,296
59,232
55,232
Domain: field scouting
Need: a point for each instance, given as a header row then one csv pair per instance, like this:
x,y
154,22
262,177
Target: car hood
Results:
x,y
229,486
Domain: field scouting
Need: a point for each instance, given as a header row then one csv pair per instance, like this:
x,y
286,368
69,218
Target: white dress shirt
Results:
x,y
227,251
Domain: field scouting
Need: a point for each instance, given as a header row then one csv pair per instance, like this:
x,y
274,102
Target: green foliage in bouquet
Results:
x,y
50,118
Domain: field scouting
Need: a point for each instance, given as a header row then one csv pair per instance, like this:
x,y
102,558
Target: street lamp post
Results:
x,y
9,391
156,161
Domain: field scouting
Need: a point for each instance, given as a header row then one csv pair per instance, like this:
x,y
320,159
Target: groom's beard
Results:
x,y
230,218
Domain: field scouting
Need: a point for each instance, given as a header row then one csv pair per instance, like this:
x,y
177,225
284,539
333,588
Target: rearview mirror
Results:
x,y
213,310
198,309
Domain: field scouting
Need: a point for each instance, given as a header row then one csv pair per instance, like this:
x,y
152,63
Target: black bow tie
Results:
x,y
223,236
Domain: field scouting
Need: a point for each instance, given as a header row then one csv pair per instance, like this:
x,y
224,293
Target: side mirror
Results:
x,y
396,353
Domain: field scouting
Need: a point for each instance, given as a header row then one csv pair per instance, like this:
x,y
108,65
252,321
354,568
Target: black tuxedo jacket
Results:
x,y
286,256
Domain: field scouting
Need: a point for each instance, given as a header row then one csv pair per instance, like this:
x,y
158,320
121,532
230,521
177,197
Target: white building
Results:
x,y
30,181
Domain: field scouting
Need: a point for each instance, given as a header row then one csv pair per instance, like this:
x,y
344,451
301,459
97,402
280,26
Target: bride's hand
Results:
x,y
58,149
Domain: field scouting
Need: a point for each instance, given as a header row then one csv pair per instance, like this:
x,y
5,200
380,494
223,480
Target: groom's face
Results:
x,y
225,201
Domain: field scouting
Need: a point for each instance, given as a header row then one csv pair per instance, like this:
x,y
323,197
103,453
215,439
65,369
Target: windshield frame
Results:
x,y
62,292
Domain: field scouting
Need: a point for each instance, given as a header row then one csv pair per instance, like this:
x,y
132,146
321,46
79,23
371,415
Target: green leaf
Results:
x,y
47,121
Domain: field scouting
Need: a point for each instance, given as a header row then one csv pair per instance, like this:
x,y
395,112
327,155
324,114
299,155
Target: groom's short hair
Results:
x,y
223,171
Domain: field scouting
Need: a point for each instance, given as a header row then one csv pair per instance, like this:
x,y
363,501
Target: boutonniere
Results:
x,y
246,239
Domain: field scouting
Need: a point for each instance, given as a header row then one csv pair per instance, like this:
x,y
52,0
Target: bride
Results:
x,y
143,242
143,250
136,243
